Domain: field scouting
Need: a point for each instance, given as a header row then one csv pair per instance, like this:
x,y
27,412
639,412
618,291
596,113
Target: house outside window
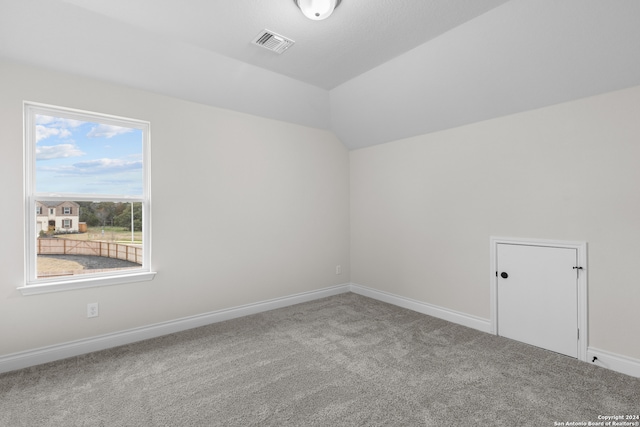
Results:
x,y
51,223
90,171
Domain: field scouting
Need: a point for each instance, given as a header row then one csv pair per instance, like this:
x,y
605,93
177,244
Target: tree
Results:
x,y
87,215
111,213
124,218
104,211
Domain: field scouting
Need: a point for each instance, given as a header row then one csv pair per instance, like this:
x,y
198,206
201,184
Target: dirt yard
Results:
x,y
51,264
56,264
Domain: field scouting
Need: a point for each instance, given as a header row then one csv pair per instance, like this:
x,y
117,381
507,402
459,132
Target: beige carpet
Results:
x,y
340,361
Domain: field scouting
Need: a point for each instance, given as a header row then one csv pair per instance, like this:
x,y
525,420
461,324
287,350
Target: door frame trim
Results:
x,y
583,305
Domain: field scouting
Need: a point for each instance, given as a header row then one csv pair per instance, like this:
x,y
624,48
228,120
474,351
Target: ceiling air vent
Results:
x,y
272,41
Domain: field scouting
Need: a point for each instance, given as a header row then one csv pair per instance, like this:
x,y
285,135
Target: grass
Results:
x,y
106,234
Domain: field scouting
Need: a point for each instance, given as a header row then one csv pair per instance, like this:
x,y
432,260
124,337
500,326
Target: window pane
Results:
x,y
88,177
81,157
97,240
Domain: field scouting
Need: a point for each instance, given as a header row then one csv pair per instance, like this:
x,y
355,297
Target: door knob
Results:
x,y
504,275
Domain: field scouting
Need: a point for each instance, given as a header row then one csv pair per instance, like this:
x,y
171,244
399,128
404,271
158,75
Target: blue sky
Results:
x,y
73,156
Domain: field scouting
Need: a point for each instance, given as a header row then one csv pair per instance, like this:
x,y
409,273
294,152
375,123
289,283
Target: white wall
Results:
x,y
423,208
278,194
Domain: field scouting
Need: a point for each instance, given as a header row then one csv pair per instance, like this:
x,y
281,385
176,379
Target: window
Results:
x,y
93,169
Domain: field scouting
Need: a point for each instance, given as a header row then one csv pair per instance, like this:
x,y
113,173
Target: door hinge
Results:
x,y
577,269
578,333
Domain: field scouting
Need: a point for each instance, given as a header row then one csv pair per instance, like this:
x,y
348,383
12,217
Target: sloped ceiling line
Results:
x,y
375,71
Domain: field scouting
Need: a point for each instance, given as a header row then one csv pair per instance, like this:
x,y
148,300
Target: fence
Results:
x,y
132,253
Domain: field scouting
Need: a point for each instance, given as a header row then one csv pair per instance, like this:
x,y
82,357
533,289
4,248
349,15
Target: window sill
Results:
x,y
67,285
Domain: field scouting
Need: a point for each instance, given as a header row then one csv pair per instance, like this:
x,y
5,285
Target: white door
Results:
x,y
537,289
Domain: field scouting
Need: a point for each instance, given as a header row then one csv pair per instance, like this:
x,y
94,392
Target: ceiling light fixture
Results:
x,y
317,9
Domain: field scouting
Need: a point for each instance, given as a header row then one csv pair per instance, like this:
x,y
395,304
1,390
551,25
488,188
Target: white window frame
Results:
x,y
35,285
66,210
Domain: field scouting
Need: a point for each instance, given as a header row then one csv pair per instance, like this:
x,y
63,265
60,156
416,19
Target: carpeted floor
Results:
x,y
346,360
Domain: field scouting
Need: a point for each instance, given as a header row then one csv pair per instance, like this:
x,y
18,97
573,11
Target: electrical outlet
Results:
x,y
338,269
92,309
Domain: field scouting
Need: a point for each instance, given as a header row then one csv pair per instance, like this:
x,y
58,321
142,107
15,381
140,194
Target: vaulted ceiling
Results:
x,y
375,71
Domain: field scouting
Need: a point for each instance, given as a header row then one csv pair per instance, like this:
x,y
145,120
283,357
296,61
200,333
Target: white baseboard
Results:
x,y
468,320
25,359
38,356
615,362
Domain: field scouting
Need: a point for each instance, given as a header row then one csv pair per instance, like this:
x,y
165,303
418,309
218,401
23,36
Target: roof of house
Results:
x,y
55,203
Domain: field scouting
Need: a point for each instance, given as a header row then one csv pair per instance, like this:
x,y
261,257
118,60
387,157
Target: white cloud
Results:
x,y
96,167
47,126
107,131
44,120
59,151
58,122
107,165
43,132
